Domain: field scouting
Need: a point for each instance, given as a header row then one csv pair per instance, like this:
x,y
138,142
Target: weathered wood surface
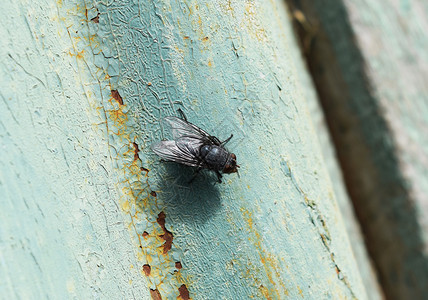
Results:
x,y
353,228
369,60
89,212
62,232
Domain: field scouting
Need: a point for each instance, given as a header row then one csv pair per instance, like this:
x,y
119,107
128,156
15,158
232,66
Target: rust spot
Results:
x,y
184,292
80,54
144,170
205,39
186,37
167,236
153,193
116,96
147,269
145,234
96,19
178,265
264,292
149,83
136,150
155,294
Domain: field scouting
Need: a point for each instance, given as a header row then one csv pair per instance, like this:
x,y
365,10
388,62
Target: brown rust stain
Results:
x,y
167,236
80,54
96,19
116,96
147,269
136,150
252,22
144,170
268,261
264,292
178,265
300,291
155,294
136,192
184,292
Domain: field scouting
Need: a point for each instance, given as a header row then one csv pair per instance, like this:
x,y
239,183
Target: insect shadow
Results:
x,y
188,202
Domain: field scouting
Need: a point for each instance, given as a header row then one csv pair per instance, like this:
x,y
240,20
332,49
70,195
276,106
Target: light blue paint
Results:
x,y
61,234
275,231
229,69
375,85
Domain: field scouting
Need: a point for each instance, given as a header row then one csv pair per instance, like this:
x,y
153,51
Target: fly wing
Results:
x,y
169,150
181,128
190,144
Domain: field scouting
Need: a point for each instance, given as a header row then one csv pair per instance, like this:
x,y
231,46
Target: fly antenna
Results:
x,y
227,140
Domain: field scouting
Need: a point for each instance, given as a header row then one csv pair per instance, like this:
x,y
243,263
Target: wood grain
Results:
x,y
370,66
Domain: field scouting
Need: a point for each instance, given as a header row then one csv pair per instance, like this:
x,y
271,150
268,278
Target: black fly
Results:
x,y
192,146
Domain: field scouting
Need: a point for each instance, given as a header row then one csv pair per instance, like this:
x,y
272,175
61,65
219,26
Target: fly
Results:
x,y
192,146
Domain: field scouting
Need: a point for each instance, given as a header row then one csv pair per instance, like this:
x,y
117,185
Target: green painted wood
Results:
x,y
89,212
62,234
353,228
369,63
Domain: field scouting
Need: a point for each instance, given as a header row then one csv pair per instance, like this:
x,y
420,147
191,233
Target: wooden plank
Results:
x,y
62,234
92,211
352,225
370,66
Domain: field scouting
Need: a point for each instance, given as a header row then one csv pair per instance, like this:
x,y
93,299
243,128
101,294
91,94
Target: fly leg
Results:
x,y
227,140
196,174
219,176
183,116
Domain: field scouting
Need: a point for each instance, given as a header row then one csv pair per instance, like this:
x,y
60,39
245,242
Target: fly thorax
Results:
x,y
204,150
214,156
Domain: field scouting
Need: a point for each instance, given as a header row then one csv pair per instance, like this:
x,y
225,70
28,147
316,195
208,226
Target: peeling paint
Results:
x,y
116,96
138,200
155,294
130,65
268,261
167,235
184,293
